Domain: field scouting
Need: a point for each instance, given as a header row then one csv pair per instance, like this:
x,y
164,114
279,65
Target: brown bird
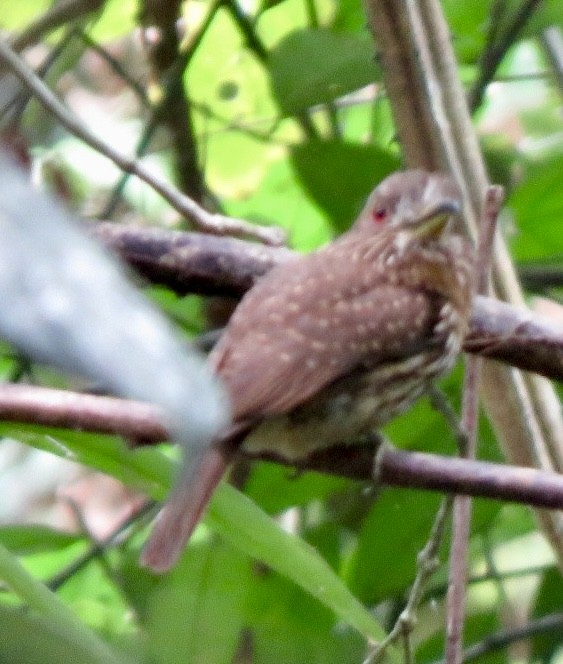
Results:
x,y
328,347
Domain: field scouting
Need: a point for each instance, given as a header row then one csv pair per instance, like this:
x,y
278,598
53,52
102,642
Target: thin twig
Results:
x,y
552,623
497,48
427,563
98,548
210,223
469,423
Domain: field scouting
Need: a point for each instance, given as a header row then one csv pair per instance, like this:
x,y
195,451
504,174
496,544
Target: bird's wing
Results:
x,y
282,347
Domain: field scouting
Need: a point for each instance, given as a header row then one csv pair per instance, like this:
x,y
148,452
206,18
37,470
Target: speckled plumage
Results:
x,y
329,346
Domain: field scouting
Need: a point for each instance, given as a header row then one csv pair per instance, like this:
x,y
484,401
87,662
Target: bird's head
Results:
x,y
415,201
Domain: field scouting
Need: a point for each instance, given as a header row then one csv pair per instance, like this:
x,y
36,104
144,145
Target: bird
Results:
x,y
329,346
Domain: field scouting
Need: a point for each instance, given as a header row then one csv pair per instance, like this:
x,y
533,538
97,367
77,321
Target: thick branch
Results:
x,y
198,263
140,423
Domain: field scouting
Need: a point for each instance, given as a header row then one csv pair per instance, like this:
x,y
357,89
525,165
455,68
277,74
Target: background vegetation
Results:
x,y
273,112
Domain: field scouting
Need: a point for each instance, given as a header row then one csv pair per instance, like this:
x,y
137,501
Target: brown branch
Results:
x,y
140,424
462,507
167,72
190,262
197,263
134,420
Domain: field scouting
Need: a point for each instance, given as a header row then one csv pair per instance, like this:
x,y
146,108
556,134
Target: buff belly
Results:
x,y
351,409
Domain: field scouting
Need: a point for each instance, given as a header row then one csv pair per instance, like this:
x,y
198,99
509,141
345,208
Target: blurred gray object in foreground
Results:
x,y
66,302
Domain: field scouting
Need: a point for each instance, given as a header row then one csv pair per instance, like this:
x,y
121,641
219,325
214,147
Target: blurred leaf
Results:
x,y
196,613
350,17
395,531
287,625
240,521
23,540
280,200
118,19
29,639
339,176
537,205
14,15
232,514
311,67
468,23
145,468
549,599
547,13
221,64
477,627
275,487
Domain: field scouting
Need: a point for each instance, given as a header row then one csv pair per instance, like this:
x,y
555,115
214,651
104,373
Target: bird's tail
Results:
x,y
184,508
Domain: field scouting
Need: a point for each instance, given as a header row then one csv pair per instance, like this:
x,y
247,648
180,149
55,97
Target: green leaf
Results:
x,y
548,601
24,540
537,205
310,67
146,468
468,24
339,176
287,625
275,487
185,608
395,531
30,639
280,200
247,527
233,515
57,615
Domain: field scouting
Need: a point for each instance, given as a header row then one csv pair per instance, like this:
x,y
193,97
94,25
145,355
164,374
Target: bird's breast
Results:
x,y
353,407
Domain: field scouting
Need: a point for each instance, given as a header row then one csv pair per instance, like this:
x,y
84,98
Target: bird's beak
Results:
x,y
433,220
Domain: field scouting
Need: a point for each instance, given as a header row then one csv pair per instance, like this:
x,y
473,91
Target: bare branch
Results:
x,y
197,263
459,551
140,424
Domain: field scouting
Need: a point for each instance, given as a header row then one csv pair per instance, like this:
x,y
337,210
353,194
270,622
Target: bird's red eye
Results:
x,y
379,215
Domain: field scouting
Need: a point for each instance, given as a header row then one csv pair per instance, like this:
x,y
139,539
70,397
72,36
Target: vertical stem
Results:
x,y
455,610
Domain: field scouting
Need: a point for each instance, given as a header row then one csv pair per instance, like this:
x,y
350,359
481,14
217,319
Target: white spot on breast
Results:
x,y
295,334
285,357
311,363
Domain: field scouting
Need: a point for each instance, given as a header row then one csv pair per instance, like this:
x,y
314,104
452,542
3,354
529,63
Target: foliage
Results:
x,y
291,128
